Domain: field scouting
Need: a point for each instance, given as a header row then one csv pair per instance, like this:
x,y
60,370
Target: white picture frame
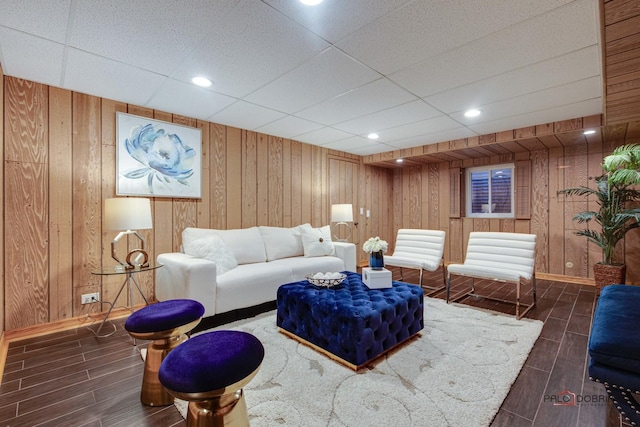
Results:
x,y
157,159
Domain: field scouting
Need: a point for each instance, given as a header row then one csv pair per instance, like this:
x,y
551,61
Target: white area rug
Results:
x,y
458,373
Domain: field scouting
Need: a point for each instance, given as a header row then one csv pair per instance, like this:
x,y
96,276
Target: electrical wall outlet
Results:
x,y
90,298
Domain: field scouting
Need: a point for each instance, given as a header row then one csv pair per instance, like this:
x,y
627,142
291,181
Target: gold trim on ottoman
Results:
x,y
368,363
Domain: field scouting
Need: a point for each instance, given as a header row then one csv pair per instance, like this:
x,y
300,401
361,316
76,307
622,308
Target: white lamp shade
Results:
x,y
127,213
342,213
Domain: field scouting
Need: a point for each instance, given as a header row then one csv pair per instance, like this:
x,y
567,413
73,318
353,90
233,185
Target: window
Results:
x,y
490,191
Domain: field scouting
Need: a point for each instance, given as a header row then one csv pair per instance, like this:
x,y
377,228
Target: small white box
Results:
x,y
376,279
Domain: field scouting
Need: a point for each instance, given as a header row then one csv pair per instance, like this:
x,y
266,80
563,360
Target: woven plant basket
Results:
x,y
608,275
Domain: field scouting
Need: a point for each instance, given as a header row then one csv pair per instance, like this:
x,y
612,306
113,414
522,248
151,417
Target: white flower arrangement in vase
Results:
x,y
376,248
375,244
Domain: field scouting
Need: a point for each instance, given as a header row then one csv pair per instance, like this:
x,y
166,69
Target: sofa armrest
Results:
x,y
346,252
186,277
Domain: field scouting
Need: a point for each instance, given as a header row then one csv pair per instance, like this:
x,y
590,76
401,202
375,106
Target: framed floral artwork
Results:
x,y
157,159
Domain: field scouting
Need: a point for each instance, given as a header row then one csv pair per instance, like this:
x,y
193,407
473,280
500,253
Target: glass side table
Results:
x,y
128,280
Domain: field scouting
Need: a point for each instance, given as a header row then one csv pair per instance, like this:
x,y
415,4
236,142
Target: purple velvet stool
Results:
x,y
209,371
165,324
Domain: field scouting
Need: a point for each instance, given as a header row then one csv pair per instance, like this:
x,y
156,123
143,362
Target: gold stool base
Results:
x,y
153,393
218,408
227,410
162,342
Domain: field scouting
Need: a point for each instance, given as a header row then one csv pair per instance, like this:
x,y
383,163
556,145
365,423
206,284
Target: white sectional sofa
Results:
x,y
233,269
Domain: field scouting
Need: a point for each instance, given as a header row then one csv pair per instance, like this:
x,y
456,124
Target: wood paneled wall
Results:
x,y
59,167
621,58
422,199
2,274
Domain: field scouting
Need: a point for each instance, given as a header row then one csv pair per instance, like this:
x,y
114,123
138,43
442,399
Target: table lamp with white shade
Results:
x,y
128,215
342,214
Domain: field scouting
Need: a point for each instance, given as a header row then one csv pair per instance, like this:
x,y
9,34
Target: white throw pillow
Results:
x,y
214,249
280,242
316,241
245,243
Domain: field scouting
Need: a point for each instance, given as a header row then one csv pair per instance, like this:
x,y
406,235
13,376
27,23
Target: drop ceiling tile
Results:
x,y
570,93
244,115
564,112
426,28
322,136
423,127
271,45
326,75
372,97
369,150
151,34
410,112
565,30
574,66
30,57
102,77
334,19
188,100
353,143
288,127
46,19
281,51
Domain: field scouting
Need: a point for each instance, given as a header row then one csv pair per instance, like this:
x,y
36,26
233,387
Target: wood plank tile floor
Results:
x,y
72,378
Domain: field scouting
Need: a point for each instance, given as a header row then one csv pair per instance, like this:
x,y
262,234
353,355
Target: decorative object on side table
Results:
x,y
129,214
376,247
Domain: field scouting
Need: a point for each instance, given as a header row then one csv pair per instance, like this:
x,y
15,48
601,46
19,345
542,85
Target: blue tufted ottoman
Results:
x,y
350,322
165,323
209,371
614,347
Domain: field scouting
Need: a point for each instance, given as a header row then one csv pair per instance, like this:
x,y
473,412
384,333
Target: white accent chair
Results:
x,y
502,257
421,250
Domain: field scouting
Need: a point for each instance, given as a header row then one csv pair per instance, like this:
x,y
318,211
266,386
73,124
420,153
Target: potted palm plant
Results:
x,y
617,214
623,165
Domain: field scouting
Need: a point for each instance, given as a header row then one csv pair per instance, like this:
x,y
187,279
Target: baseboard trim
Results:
x,y
566,279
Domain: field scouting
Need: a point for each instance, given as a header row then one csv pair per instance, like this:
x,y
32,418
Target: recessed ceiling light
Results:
x,y
399,160
589,132
201,81
472,113
311,2
373,135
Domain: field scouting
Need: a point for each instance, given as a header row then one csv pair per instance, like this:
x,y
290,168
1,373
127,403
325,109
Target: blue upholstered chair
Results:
x,y
209,371
165,324
614,347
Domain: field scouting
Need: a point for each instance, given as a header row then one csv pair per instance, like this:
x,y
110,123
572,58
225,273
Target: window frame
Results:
x,y
468,192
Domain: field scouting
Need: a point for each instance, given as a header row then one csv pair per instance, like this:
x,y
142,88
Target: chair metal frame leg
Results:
x,y
518,304
431,289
